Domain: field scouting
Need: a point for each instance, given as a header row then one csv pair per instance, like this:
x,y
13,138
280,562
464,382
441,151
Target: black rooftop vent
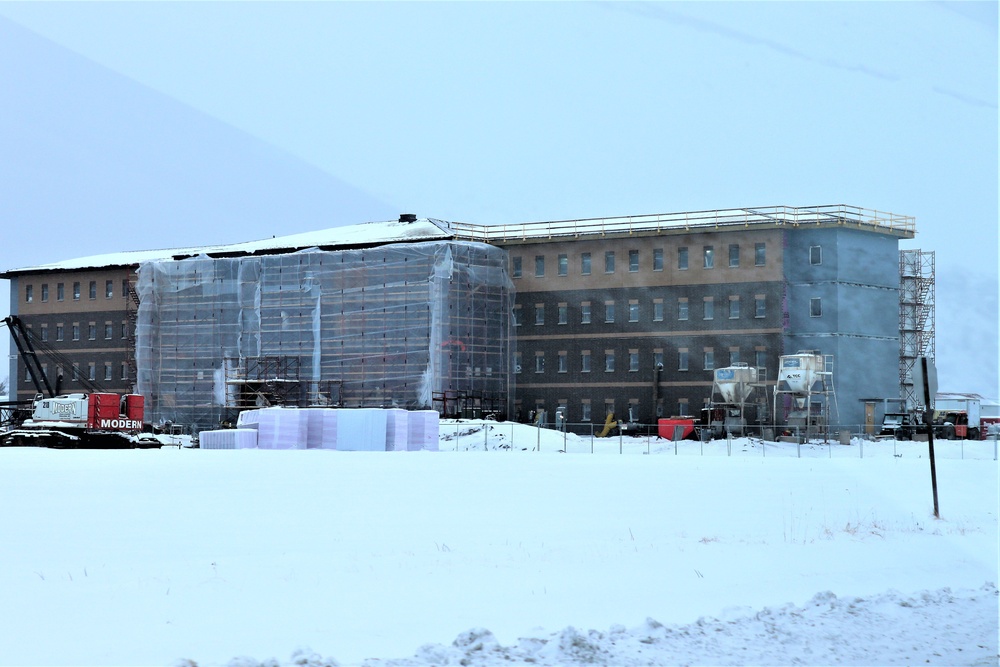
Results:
x,y
407,217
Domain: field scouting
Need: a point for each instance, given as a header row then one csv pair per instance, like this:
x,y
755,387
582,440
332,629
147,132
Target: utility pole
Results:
x,y
929,420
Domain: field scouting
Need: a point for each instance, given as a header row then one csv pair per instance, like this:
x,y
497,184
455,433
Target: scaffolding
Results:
x,y
916,319
389,326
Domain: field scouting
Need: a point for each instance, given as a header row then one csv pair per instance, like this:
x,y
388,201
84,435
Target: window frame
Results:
x,y
815,255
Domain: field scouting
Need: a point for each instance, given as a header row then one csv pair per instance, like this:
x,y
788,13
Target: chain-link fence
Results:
x,y
644,439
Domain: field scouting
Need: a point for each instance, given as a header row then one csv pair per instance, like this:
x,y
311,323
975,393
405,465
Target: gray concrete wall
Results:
x,y
12,359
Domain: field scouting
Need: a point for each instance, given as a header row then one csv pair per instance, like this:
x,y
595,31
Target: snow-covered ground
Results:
x,y
512,546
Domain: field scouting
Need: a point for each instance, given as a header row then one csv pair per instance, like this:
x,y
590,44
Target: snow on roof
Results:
x,y
365,234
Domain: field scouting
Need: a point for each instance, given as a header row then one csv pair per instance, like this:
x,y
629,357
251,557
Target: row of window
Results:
x,y
682,260
634,310
109,291
683,359
683,310
91,372
60,331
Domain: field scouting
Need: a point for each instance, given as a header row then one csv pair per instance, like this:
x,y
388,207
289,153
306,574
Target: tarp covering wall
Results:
x,y
392,326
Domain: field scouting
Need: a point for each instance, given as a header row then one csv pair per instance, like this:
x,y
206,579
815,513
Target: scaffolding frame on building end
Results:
x,y
916,319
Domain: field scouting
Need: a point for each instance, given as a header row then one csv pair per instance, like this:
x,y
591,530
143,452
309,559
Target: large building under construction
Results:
x,y
583,318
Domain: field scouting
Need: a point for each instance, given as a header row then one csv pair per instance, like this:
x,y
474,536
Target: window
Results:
x,y
540,266
759,255
657,310
609,261
759,306
709,359
563,313
682,259
682,406
124,329
93,289
657,259
682,309
815,307
734,308
107,370
60,291
76,291
124,371
709,257
760,358
609,311
585,411
585,312
517,362
609,361
109,290
539,362
76,332
734,356
44,332
633,311
815,254
585,361
92,331
515,267
91,371
59,332
562,362
682,359
563,265
585,264
633,361
539,314
633,261
518,315
734,255
658,359
108,330
29,293
45,292
709,308
125,287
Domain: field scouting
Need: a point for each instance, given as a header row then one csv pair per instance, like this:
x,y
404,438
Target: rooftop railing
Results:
x,y
839,214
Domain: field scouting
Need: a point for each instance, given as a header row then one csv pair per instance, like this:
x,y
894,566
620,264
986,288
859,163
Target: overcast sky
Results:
x,y
513,112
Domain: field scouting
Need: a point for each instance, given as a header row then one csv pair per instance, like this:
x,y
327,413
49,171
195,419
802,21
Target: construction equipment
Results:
x,y
956,425
902,425
732,390
805,387
95,419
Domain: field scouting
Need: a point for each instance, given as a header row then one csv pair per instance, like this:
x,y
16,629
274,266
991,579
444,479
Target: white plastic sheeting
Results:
x,y
281,428
396,325
347,429
233,438
423,430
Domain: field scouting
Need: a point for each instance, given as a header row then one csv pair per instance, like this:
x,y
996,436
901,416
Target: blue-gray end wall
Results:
x,y
12,359
857,282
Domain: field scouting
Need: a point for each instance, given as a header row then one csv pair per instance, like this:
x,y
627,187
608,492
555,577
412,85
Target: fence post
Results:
x,y
486,437
538,436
